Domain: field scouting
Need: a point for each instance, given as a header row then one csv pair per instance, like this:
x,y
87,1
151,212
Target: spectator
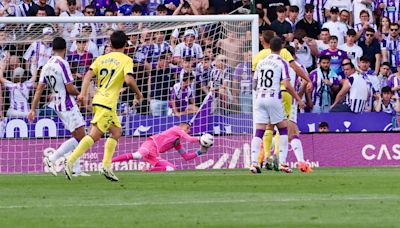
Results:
x,y
361,27
91,46
390,9
336,54
221,6
7,9
292,18
152,6
262,24
344,17
390,46
244,7
219,85
308,24
161,82
71,12
319,10
354,52
323,127
159,47
19,89
23,8
186,8
325,84
301,6
188,47
187,69
202,5
39,52
384,27
323,41
100,6
360,5
78,27
372,79
203,71
242,81
281,27
182,97
303,50
60,6
270,8
356,87
80,59
336,28
371,48
5,48
394,80
41,4
230,47
162,10
126,8
384,72
384,102
143,5
340,5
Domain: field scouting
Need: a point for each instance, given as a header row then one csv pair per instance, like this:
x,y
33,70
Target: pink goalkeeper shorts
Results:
x,y
149,152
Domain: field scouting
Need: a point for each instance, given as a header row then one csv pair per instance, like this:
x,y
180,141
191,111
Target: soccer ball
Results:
x,y
207,140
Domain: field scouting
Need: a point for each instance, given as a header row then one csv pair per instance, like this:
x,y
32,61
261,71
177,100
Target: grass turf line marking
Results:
x,y
352,198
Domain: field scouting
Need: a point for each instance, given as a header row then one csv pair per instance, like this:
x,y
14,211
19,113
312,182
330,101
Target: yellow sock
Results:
x,y
267,142
276,152
82,147
109,149
261,154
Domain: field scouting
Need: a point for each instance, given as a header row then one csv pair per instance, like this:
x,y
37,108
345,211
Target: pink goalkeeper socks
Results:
x,y
123,157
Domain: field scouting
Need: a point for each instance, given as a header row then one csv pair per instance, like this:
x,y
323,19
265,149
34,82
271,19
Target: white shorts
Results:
x,y
268,110
72,119
293,113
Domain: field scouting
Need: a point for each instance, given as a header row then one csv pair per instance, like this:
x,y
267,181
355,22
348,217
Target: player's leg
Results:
x,y
109,149
287,108
261,118
297,147
163,166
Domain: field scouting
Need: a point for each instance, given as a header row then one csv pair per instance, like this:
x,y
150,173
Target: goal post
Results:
x,y
190,68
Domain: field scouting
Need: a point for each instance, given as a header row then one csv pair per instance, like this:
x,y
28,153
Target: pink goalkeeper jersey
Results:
x,y
166,139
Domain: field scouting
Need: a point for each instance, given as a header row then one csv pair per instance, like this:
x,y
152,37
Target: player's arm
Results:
x,y
35,102
301,74
131,82
2,69
342,92
293,93
71,89
85,85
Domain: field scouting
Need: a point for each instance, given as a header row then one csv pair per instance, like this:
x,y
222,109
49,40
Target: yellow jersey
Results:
x,y
285,54
110,70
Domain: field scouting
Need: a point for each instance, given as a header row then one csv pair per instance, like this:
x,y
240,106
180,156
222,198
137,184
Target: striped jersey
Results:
x,y
391,10
19,95
23,9
270,72
156,50
394,81
359,92
319,7
182,50
359,27
56,74
392,45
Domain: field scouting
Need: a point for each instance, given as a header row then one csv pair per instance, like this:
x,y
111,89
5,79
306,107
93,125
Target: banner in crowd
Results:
x,y
228,152
137,125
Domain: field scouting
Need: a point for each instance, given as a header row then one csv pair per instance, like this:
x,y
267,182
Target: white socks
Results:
x,y
283,148
297,149
66,147
137,156
255,147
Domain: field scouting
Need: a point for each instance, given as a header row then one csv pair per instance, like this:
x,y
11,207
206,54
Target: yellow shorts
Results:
x,y
287,103
104,118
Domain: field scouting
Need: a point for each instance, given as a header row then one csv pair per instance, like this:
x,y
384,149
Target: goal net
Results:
x,y
192,68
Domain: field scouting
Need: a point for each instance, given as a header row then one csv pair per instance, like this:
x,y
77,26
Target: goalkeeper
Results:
x,y
157,144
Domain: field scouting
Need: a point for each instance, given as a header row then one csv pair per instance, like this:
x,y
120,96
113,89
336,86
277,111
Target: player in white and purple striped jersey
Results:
x,y
158,48
57,76
268,108
390,9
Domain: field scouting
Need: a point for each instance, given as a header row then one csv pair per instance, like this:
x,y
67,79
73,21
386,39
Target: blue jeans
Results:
x,y
320,109
159,107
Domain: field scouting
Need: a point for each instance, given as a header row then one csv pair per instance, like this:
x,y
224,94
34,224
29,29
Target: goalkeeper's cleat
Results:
x,y
68,169
285,168
270,163
49,165
255,169
304,167
107,173
275,163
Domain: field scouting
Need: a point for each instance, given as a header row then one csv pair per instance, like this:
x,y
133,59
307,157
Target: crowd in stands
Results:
x,y
351,50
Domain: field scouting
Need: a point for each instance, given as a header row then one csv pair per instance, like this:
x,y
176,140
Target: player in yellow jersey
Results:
x,y
286,98
111,70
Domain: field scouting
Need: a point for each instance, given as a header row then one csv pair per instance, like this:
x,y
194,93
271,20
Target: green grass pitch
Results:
x,y
329,197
